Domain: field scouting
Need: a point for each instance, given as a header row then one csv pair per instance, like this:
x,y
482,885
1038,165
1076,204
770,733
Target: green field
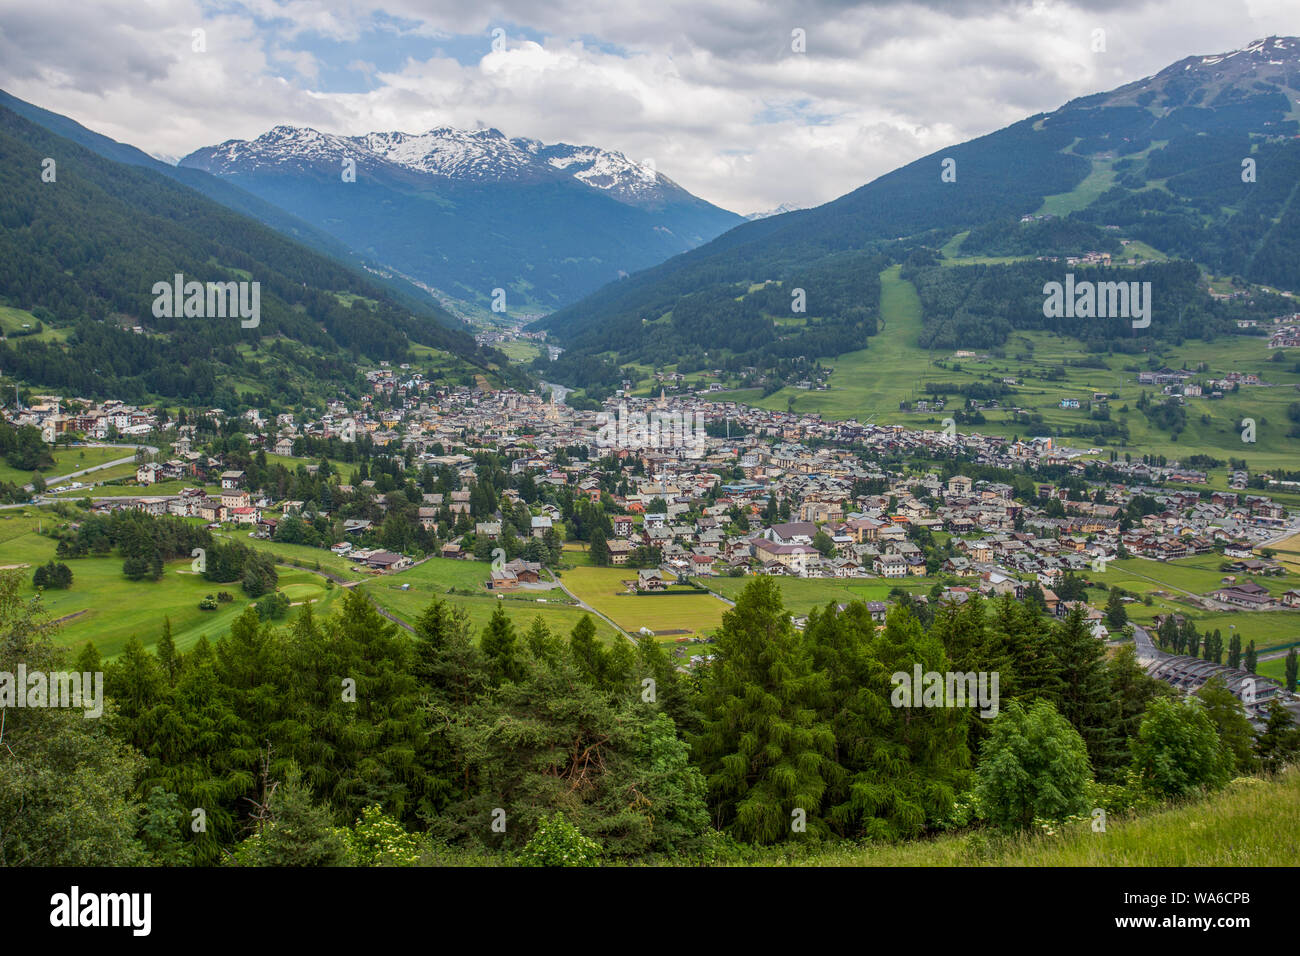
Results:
x,y
1199,574
691,613
435,577
105,607
68,460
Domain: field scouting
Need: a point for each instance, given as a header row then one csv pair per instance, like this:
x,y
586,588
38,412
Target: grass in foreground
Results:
x,y
1250,823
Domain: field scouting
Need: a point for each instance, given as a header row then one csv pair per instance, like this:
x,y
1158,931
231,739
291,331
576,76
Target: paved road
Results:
x,y
108,464
1146,648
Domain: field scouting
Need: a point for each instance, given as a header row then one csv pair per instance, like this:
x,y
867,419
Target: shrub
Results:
x,y
558,842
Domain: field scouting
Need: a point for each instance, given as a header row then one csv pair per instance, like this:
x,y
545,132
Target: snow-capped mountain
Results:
x,y
779,210
465,212
472,156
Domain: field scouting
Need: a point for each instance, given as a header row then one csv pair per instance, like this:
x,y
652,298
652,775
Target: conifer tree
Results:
x,y
498,642
452,674
1084,696
1279,743
168,658
764,749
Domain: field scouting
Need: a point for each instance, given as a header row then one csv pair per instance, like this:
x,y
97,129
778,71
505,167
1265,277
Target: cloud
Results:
x,y
710,89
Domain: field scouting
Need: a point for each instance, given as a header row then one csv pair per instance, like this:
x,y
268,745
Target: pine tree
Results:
x,y
168,657
902,765
1234,650
136,683
1291,671
1279,743
599,550
1132,690
88,660
498,645
1214,648
453,674
1252,657
296,832
1116,614
764,749
1085,696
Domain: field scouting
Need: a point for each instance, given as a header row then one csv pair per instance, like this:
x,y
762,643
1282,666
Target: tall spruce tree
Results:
x,y
765,747
1084,695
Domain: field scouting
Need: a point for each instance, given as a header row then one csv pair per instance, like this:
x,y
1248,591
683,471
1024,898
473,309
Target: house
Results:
x,y
284,447
890,566
620,550
235,498
231,479
244,515
650,580
386,561
540,526
147,474
1246,595
503,580
525,572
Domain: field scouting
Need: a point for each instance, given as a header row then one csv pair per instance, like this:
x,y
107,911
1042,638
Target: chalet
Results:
x,y
650,580
525,572
386,561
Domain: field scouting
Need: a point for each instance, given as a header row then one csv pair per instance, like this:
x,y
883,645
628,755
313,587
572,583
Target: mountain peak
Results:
x,y
484,155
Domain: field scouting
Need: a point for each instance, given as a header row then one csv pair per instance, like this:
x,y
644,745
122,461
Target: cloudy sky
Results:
x,y
748,104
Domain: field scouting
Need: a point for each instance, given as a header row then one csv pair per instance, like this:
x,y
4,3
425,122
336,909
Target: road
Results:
x,y
1146,648
108,464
